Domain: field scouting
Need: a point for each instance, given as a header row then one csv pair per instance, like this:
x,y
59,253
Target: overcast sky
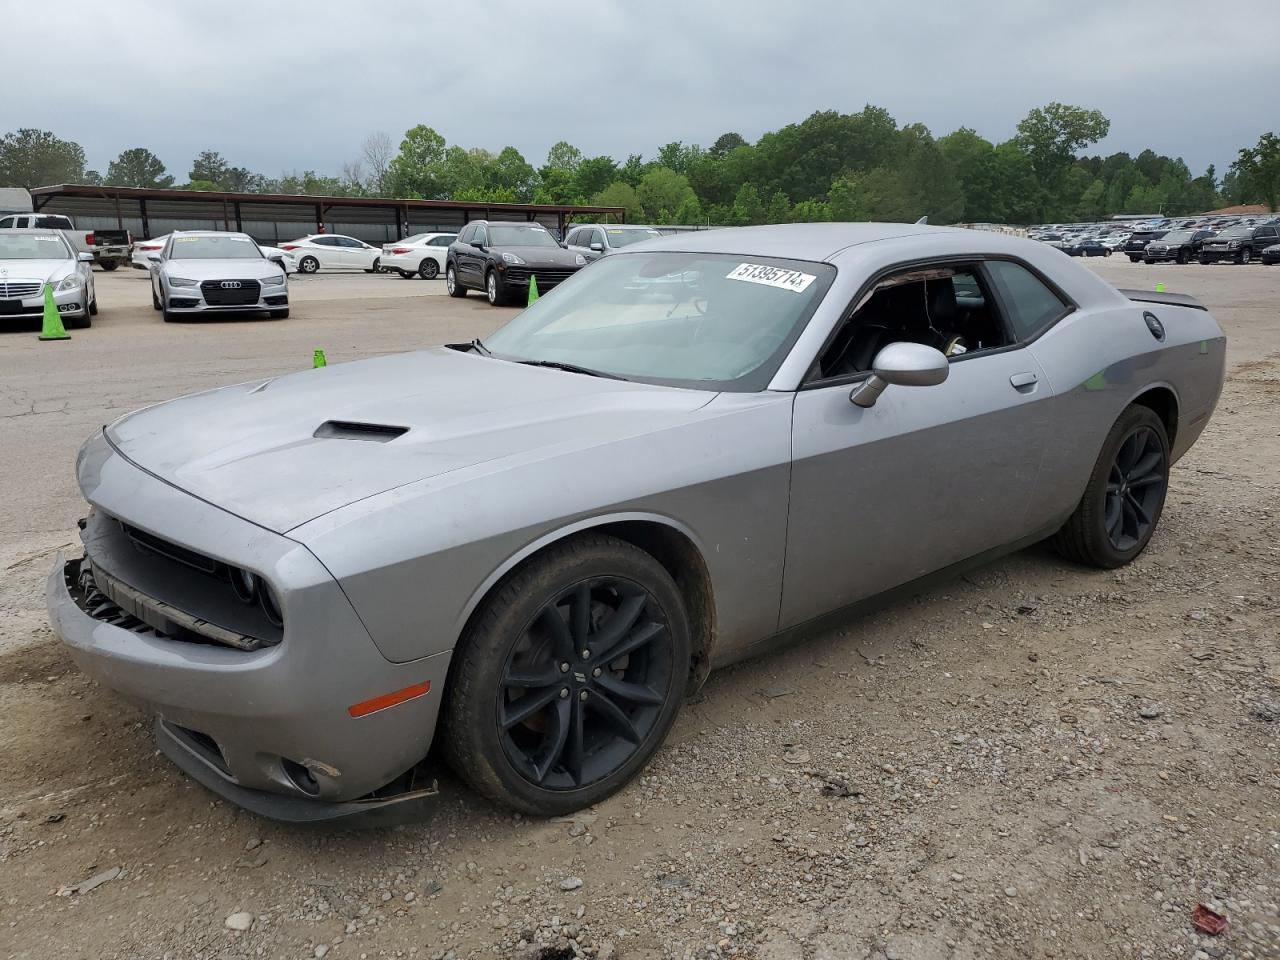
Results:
x,y
282,86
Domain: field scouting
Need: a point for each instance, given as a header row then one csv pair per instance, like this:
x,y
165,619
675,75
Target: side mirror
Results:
x,y
85,257
904,364
598,247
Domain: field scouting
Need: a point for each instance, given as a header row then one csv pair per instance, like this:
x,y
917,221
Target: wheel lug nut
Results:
x,y
586,654
564,668
582,695
596,672
564,693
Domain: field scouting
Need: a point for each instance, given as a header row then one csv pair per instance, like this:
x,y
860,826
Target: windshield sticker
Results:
x,y
792,280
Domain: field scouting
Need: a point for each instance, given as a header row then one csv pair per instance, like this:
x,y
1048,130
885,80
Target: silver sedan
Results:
x,y
529,550
211,272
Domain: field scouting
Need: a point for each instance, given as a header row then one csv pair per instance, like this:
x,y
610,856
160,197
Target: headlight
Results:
x,y
1233,244
180,282
581,260
511,258
272,281
70,282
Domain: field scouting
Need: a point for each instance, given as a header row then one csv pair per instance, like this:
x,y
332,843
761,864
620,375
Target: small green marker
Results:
x,y
1160,287
318,360
533,290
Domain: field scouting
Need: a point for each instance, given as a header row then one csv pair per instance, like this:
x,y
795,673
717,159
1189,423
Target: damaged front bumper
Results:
x,y
268,729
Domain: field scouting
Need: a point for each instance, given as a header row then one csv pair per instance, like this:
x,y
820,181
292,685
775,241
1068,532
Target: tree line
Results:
x,y
829,166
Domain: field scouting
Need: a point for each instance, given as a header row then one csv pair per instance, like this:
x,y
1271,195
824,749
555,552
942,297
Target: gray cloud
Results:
x,y
276,86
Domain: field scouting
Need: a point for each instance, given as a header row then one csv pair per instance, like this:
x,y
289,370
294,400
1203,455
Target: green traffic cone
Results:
x,y
318,360
533,290
53,328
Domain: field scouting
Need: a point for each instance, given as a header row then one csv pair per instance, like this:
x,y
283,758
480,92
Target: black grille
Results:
x,y
218,294
546,278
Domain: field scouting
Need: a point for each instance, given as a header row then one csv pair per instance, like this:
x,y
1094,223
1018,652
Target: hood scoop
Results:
x,y
349,430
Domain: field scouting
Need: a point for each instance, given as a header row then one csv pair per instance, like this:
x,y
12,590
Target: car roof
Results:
x,y
795,241
209,233
28,231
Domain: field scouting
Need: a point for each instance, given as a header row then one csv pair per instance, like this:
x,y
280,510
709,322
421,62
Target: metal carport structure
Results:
x,y
272,218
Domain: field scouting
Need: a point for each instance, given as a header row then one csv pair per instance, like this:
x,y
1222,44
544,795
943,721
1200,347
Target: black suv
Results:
x,y
1180,245
1135,247
1241,244
499,258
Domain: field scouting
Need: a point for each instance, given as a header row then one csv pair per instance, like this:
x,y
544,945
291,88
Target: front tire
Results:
x,y
377,266
428,269
1124,499
308,265
569,677
451,284
495,290
1246,256
1135,259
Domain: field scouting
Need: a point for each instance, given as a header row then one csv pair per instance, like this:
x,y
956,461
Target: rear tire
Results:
x,y
451,284
109,265
1124,498
592,594
308,265
1246,256
428,269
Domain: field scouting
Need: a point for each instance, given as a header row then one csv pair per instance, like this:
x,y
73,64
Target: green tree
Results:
x,y
564,156
676,156
811,211
778,209
689,213
138,167
417,170
1051,136
747,207
621,194
661,192
976,167
1257,170
725,144
37,158
593,175
209,167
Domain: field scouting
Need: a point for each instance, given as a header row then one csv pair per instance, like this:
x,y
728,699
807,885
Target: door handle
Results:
x,y
1024,381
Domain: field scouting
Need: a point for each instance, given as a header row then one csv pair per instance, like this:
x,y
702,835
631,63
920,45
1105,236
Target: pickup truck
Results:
x,y
109,248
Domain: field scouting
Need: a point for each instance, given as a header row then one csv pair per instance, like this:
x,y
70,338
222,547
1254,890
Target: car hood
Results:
x,y
239,269
542,256
11,270
252,449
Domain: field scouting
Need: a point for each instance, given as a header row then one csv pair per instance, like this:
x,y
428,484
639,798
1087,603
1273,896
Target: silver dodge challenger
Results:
x,y
525,552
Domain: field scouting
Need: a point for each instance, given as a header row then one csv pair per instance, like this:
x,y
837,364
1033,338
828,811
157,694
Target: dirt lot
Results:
x,y
1033,761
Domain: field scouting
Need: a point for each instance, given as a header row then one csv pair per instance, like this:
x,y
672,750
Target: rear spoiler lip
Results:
x,y
1170,299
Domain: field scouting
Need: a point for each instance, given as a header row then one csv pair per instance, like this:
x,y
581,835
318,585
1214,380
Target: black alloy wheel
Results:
x,y
585,684
1135,489
568,678
1124,498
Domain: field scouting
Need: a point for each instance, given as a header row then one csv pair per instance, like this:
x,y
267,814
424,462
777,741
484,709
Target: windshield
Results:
x,y
708,321
1178,236
530,236
32,246
1230,232
623,238
214,248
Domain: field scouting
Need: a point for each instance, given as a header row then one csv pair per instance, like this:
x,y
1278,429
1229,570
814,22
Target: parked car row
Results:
x,y
1190,242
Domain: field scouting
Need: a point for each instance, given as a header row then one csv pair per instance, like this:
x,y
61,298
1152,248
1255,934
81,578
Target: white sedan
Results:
x,y
422,255
333,251
142,250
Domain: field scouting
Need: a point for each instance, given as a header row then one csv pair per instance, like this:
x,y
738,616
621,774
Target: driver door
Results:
x,y
925,478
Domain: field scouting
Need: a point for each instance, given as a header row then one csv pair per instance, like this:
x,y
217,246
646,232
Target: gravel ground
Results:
x,y
1035,760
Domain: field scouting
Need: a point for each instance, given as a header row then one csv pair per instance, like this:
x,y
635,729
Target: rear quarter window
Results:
x,y
1032,306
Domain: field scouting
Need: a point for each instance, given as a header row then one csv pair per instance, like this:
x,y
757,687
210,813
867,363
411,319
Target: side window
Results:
x,y
324,241
442,241
6,223
482,236
349,242
945,306
572,238
1032,306
23,222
